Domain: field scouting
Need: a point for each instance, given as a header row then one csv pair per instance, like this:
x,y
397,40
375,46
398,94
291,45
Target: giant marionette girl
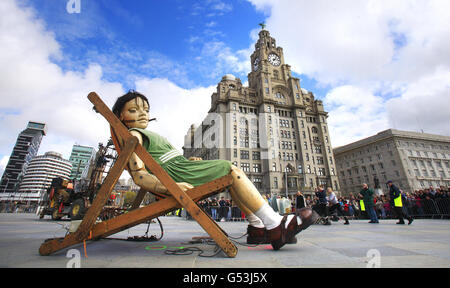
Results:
x,y
133,110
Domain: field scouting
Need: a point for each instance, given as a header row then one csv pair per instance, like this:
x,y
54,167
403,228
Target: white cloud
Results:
x,y
38,90
382,51
174,107
35,88
354,113
424,105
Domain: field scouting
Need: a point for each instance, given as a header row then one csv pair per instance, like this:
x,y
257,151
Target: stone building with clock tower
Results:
x,y
273,130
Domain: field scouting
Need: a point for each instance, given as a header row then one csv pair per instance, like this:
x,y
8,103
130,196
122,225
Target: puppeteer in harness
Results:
x,y
264,223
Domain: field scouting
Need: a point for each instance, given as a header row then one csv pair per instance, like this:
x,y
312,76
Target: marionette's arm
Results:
x,y
195,158
143,178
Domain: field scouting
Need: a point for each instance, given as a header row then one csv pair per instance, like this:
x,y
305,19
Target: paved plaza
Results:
x,y
426,243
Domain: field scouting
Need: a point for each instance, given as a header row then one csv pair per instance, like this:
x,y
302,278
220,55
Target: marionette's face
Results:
x,y
135,113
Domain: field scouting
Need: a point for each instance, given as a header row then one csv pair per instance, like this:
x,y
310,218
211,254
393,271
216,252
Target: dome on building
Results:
x,y
229,77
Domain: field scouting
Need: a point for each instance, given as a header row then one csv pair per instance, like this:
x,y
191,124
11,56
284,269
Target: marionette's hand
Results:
x,y
185,186
195,159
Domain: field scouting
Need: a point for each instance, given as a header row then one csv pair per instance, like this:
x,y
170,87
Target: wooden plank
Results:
x,y
136,217
138,200
157,209
180,196
105,190
100,200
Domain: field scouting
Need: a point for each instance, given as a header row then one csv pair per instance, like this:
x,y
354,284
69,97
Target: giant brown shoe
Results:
x,y
281,233
261,236
308,217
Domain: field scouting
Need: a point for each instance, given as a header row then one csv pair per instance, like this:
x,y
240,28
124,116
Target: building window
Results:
x,y
274,167
257,168
292,182
318,149
257,181
245,167
275,182
244,154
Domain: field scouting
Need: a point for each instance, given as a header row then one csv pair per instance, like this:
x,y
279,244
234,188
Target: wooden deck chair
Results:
x,y
90,230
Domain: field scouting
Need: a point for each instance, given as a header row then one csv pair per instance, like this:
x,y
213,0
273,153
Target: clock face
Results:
x,y
274,59
256,64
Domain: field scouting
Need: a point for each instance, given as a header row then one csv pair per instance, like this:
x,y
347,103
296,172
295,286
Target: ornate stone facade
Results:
x,y
274,130
411,160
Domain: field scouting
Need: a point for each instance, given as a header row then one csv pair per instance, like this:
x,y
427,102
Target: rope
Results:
x,y
217,249
145,237
84,243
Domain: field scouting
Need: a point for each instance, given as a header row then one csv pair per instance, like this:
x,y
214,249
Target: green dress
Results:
x,y
177,166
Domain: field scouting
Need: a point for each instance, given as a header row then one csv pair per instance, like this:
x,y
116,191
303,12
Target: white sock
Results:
x,y
272,219
255,221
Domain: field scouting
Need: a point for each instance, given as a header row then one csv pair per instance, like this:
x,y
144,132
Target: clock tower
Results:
x,y
271,77
273,130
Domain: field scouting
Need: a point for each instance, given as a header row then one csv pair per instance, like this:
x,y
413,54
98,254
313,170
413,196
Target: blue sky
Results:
x,y
153,38
375,64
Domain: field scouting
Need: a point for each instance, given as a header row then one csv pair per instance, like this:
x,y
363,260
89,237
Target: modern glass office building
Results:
x,y
40,173
26,147
80,158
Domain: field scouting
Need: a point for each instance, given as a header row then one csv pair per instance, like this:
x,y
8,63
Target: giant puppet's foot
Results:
x,y
283,233
261,236
278,234
308,217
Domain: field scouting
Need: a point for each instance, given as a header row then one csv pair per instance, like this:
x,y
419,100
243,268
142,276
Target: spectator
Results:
x,y
321,206
214,206
367,194
335,205
299,201
396,203
380,207
222,209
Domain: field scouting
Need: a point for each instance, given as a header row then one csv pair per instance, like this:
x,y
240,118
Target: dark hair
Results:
x,y
120,102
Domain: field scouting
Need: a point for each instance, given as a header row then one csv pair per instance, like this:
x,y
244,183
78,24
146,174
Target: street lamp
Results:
x,y
286,180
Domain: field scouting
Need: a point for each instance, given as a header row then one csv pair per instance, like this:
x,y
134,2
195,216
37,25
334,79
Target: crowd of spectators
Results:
x,y
427,202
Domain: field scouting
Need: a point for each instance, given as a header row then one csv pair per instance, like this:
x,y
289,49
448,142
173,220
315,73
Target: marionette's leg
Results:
x,y
252,219
256,231
279,227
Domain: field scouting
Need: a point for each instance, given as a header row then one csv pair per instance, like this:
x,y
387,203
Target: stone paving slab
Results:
x,y
425,243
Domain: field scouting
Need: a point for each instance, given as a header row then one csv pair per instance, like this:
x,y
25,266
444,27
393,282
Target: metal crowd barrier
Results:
x,y
428,208
225,212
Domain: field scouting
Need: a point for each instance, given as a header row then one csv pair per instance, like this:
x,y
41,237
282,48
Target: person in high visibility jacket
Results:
x,y
367,194
397,204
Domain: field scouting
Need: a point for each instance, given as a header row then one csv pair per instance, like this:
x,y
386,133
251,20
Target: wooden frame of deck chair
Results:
x,y
90,230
